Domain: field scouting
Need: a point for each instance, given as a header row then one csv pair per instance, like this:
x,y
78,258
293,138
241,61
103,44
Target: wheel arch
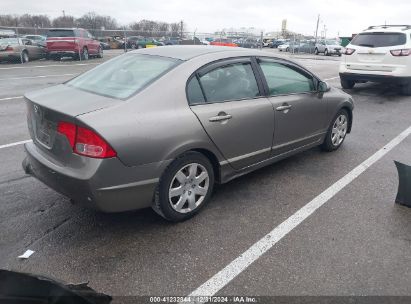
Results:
x,y
350,116
213,160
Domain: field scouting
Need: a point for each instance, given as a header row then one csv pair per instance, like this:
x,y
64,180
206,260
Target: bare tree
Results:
x,y
64,21
96,22
9,20
34,20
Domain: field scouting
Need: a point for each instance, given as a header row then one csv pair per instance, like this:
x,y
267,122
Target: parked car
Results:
x,y
132,41
194,41
248,43
267,42
276,43
284,47
104,43
379,54
171,41
140,43
305,47
20,50
328,47
175,118
223,42
37,39
76,43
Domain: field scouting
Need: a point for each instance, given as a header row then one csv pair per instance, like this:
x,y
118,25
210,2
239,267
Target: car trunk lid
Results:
x,y
47,107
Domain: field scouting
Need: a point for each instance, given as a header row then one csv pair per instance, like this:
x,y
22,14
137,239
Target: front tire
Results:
x,y
100,53
185,187
316,51
346,83
337,132
326,53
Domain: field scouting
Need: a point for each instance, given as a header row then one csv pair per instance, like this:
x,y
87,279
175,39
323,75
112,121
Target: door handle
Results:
x,y
220,117
283,108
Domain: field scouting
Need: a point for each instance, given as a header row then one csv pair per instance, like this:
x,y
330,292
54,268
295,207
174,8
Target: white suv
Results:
x,y
379,54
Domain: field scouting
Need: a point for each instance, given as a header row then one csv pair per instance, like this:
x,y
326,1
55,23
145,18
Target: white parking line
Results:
x,y
40,76
228,273
15,144
10,98
49,65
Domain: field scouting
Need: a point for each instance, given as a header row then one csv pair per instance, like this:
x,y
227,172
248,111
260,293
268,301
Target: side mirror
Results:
x,y
323,87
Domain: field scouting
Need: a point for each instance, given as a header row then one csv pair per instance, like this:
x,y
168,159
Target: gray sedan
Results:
x,y
158,127
20,50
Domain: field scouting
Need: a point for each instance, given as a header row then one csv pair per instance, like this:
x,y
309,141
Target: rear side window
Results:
x,y
124,75
282,79
194,93
231,82
61,33
379,39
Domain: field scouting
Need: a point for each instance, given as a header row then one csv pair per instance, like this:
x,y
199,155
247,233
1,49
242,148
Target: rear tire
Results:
x,y
347,84
25,57
316,51
184,177
84,54
406,89
336,132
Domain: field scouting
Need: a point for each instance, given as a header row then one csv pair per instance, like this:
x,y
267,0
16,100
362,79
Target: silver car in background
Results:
x,y
158,127
328,47
20,50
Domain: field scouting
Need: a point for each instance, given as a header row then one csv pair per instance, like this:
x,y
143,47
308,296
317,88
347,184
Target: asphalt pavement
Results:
x,y
358,242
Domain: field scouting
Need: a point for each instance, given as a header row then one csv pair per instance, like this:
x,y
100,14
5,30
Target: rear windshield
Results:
x,y
61,33
379,39
124,75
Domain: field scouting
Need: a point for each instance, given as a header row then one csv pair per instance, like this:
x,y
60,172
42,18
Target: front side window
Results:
x,y
231,82
283,79
123,76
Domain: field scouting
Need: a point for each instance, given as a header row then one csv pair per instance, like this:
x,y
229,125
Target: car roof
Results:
x,y
186,52
388,28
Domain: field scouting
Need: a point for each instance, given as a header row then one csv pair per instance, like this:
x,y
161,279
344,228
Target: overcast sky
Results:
x,y
341,16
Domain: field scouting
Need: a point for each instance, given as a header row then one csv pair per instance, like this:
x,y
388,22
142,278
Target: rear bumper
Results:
x,y
63,53
105,185
335,52
5,56
376,78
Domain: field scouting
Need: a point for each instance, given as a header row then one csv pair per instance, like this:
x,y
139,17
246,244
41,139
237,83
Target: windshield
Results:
x,y
379,39
9,41
124,75
61,33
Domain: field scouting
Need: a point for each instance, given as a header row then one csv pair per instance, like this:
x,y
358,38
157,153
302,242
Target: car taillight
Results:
x,y
349,51
69,130
85,141
403,52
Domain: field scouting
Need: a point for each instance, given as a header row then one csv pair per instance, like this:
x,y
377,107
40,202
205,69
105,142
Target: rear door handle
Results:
x,y
220,117
283,108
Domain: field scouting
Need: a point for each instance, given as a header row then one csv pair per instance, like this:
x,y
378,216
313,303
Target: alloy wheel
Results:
x,y
339,130
189,188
